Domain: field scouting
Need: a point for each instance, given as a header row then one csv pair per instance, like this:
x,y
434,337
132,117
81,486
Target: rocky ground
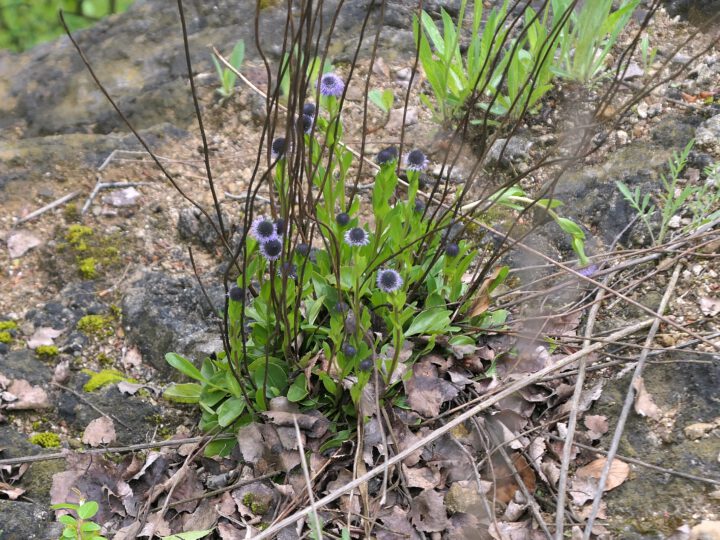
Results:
x,y
111,320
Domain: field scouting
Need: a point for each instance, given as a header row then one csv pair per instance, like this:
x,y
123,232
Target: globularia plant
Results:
x,y
332,289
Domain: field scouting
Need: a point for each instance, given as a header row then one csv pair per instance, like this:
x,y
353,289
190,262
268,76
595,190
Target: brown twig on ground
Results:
x,y
48,207
89,404
627,405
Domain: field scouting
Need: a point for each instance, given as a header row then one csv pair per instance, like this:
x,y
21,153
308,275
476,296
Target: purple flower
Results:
x,y
263,229
342,219
386,156
287,269
277,150
331,85
366,365
416,161
237,294
588,271
348,350
307,123
452,249
280,226
271,249
357,237
419,206
389,280
309,110
302,249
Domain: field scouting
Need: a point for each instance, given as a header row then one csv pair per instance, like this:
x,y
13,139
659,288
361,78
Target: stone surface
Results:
x,y
163,314
509,153
707,136
195,227
27,521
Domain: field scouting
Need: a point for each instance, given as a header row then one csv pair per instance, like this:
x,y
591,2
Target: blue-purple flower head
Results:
x,y
386,156
271,249
389,280
342,219
288,270
588,271
416,160
280,226
357,237
331,85
237,294
309,110
452,249
278,147
306,123
263,229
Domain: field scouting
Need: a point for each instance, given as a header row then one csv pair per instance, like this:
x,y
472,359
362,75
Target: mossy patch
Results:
x,y
96,325
5,337
47,351
45,439
87,268
94,253
8,325
103,378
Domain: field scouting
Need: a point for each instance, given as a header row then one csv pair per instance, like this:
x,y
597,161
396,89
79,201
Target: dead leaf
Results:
x,y
505,485
11,492
228,532
426,391
597,426
427,512
132,358
129,388
99,432
644,404
155,526
709,306
421,477
619,471
481,302
20,242
43,336
28,396
396,525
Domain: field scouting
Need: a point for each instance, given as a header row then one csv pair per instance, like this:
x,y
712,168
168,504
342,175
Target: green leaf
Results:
x,y
87,510
67,519
570,227
90,526
383,100
190,535
220,447
230,410
184,366
431,321
298,389
65,506
183,393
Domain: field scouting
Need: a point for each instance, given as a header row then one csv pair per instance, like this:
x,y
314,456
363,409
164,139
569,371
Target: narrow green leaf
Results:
x,y
183,393
230,410
431,321
184,366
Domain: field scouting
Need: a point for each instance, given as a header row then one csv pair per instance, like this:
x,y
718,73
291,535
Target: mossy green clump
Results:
x,y
71,212
8,325
87,268
5,337
96,325
104,360
76,235
47,351
104,378
46,439
256,506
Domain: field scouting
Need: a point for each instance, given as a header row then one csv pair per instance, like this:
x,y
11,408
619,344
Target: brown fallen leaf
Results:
x,y
28,396
99,432
481,302
427,512
597,425
426,391
421,477
710,306
505,485
644,404
619,471
20,242
11,492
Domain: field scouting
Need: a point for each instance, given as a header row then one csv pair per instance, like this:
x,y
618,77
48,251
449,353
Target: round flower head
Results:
x,y
389,280
237,294
348,350
416,161
306,122
357,237
341,307
342,219
419,206
452,249
277,150
588,271
302,249
271,249
280,226
263,229
309,110
366,365
331,85
287,269
386,156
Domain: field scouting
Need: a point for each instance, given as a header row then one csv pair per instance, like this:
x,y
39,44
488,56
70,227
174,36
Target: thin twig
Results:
x,y
627,405
94,407
50,206
308,482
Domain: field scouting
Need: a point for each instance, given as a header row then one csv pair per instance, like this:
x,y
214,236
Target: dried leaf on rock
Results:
x,y
644,404
710,307
11,492
502,475
316,426
587,397
61,373
43,336
427,512
255,499
395,525
426,392
502,530
20,242
421,477
204,517
619,471
597,425
230,532
155,526
99,431
28,396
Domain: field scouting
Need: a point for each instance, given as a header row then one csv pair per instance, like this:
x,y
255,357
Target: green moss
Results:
x,y
248,499
258,508
76,235
104,378
5,337
47,351
46,439
71,212
87,268
115,311
104,360
95,325
8,325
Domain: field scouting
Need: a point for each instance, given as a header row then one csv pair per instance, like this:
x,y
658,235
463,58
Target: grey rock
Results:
x,y
164,314
707,136
508,153
27,521
195,227
74,301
